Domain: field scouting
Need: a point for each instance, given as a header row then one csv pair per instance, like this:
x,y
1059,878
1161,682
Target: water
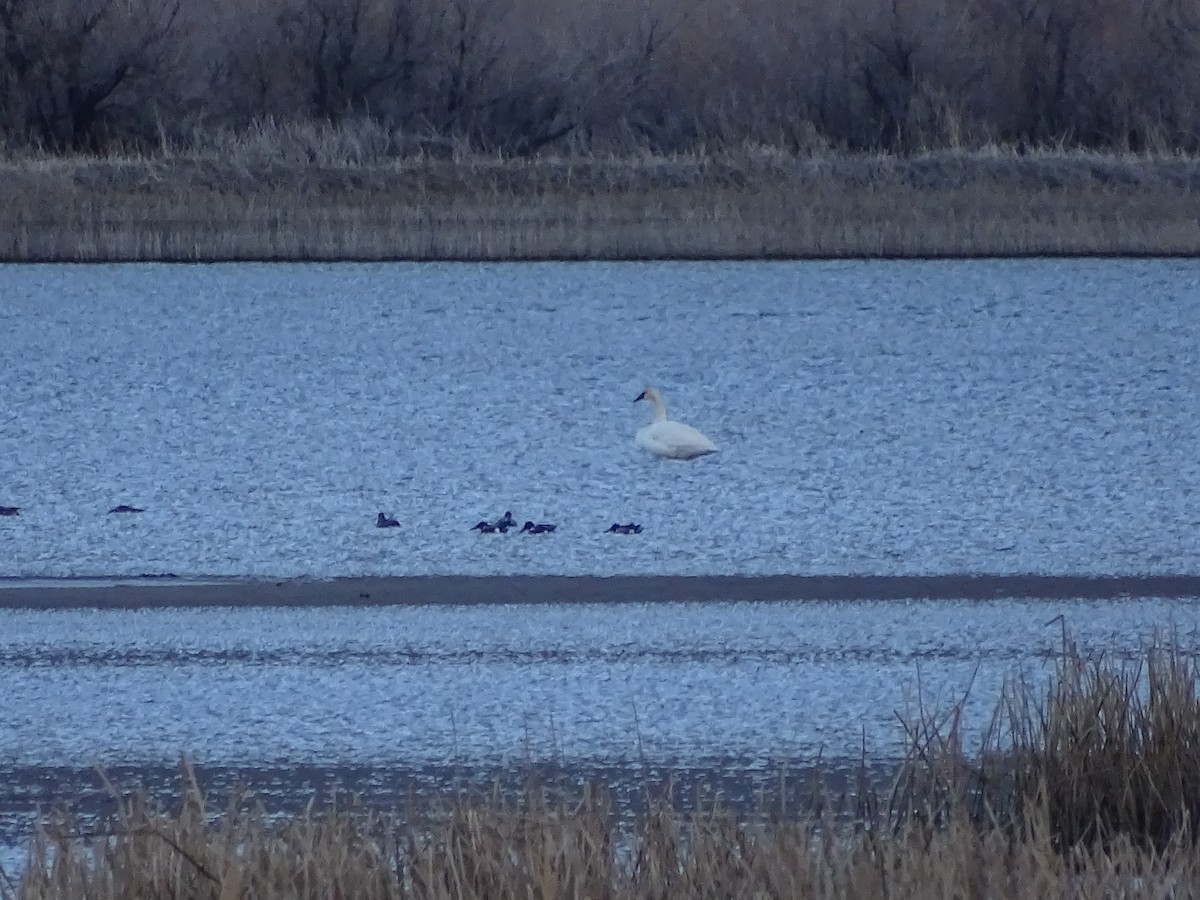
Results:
x,y
1002,416
581,682
887,418
384,700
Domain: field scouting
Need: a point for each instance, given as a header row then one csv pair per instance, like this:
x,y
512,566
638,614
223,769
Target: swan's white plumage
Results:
x,y
668,438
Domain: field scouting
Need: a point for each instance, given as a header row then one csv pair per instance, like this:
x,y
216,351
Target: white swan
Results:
x,y
665,437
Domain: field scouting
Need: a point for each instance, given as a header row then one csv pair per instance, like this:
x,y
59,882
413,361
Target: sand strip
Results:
x,y
133,593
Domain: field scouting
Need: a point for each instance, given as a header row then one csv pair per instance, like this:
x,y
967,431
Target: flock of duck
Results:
x,y
500,526
507,522
663,437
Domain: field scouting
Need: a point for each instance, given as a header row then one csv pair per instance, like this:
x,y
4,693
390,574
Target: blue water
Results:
x,y
381,701
1000,416
582,683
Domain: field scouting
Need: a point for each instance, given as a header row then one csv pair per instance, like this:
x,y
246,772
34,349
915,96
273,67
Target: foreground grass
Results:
x,y
1090,791
744,204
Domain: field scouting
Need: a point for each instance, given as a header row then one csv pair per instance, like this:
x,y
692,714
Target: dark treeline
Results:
x,y
522,76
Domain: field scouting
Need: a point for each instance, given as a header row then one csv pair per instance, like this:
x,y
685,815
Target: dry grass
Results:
x,y
1090,791
1110,753
345,195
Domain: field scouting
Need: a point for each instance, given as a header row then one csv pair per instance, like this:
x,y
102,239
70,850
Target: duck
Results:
x,y
538,528
667,438
123,508
631,528
10,510
386,522
501,525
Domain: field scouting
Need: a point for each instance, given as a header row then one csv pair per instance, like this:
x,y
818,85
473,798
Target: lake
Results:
x,y
386,700
886,418
907,417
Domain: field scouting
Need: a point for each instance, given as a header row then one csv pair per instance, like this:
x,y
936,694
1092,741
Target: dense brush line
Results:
x,y
520,76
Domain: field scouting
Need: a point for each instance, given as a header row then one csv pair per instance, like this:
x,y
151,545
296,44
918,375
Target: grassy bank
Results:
x,y
1091,790
339,204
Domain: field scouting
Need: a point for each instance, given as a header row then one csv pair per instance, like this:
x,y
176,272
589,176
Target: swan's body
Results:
x,y
667,438
538,528
386,522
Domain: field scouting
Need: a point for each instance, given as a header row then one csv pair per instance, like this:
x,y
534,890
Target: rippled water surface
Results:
x,y
877,417
590,682
381,700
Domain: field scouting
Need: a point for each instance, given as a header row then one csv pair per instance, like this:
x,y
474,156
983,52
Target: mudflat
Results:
x,y
165,591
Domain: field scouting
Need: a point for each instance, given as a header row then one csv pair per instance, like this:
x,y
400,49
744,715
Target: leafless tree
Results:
x,y
64,62
349,55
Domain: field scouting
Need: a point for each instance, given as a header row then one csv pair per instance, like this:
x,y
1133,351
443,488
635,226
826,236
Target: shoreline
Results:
x,y
480,590
736,206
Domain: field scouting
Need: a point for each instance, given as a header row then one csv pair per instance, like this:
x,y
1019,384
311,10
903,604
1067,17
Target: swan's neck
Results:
x,y
660,409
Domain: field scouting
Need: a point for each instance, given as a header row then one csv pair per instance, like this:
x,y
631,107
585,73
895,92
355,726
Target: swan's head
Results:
x,y
650,394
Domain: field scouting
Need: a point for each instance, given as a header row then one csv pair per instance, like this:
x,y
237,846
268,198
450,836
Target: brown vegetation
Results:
x,y
252,200
517,129
1089,791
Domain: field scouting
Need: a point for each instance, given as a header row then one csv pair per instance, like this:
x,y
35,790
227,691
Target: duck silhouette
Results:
x,y
10,510
631,528
501,525
538,528
386,522
124,508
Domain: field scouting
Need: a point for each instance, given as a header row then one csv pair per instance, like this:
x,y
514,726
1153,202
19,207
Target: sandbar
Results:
x,y
165,591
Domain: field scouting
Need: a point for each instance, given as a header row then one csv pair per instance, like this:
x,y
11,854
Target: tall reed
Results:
x,y
353,202
1088,789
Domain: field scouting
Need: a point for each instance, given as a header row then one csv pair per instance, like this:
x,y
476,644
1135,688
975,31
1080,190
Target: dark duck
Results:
x,y
631,528
501,525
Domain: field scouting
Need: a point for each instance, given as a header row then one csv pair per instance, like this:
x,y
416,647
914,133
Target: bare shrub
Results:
x,y
69,71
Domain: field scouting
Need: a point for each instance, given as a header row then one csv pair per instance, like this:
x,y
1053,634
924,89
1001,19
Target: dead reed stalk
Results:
x,y
750,203
1090,790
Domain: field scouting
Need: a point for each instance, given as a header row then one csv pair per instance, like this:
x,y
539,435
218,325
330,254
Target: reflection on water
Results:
x,y
1007,416
492,684
383,701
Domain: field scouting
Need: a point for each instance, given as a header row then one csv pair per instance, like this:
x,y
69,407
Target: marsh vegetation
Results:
x,y
435,129
1088,789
